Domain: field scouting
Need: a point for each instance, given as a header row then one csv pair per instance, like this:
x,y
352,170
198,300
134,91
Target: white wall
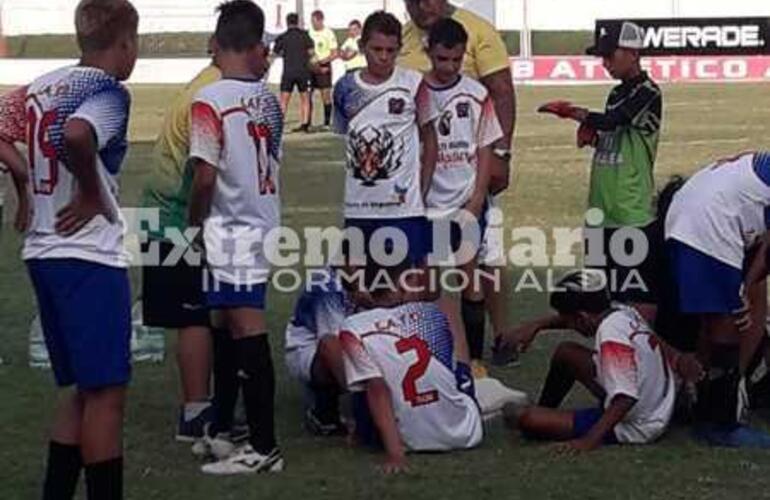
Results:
x,y
56,16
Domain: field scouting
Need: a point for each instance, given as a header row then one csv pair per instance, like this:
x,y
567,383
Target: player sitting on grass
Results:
x,y
13,131
629,371
313,352
76,123
714,230
235,145
412,392
467,129
386,115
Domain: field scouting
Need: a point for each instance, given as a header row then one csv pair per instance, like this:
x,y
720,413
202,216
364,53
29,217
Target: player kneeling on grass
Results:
x,y
76,122
236,134
313,352
411,392
629,371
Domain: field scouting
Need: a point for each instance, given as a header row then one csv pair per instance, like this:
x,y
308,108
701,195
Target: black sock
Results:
x,y
718,395
258,383
226,381
104,480
558,383
62,472
327,114
326,404
474,319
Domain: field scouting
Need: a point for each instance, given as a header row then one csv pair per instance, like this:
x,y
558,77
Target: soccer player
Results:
x,y
76,122
325,52
235,146
350,51
387,114
313,352
467,129
296,48
412,393
625,137
713,226
629,371
13,131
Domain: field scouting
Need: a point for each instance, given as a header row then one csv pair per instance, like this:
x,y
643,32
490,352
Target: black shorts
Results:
x,y
322,80
295,79
636,284
172,296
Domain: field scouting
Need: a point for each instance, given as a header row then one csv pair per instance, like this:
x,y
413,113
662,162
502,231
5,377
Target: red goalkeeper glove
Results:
x,y
562,109
586,136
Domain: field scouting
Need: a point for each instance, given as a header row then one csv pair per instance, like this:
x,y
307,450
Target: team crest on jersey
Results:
x,y
445,123
396,106
463,109
373,154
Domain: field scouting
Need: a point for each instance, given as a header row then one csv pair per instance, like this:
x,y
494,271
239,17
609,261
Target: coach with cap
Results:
x,y
486,60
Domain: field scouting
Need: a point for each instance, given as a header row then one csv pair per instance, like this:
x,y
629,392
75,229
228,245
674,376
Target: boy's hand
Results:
x,y
394,465
575,446
689,368
522,336
79,212
586,136
562,109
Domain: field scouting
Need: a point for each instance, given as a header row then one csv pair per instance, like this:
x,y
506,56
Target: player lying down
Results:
x,y
629,371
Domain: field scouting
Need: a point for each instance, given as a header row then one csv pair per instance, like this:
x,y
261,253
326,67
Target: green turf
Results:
x,y
701,123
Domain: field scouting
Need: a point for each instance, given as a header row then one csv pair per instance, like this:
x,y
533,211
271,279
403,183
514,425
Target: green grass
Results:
x,y
701,123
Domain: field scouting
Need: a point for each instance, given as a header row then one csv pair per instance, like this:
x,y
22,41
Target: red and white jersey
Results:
x,y
410,347
237,128
630,361
466,123
723,208
52,100
382,128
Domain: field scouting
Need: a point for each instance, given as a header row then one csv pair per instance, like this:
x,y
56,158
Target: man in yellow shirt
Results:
x,y
486,60
325,52
351,52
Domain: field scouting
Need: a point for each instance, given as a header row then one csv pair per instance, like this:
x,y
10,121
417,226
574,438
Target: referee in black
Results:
x,y
296,48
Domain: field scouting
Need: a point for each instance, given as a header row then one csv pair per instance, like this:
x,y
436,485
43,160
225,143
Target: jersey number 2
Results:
x,y
417,370
37,138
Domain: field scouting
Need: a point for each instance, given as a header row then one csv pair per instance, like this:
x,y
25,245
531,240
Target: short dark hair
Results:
x,y
581,290
447,32
381,22
292,19
318,14
99,24
354,22
240,26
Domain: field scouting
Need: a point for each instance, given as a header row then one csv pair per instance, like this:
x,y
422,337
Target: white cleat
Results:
x,y
492,396
245,460
219,446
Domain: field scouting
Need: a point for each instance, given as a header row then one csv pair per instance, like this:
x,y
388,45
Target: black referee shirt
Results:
x,y
294,46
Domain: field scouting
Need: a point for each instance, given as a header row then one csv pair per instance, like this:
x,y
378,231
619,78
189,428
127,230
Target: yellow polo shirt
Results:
x,y
486,53
325,41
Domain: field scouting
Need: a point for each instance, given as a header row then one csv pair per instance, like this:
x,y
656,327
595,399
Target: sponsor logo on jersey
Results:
x,y
463,109
445,123
396,106
374,154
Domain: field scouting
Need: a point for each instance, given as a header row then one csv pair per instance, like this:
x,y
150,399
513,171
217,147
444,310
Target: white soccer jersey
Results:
x,y
411,348
629,361
237,127
52,100
466,122
723,208
381,124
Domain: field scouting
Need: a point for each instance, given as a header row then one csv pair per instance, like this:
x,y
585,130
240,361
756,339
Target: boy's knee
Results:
x,y
565,352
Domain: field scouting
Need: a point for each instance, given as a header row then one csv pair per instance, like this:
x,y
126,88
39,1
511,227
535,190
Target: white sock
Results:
x,y
192,410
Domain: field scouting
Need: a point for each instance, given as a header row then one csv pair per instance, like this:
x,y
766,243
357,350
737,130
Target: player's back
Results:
x,y
411,348
98,98
237,127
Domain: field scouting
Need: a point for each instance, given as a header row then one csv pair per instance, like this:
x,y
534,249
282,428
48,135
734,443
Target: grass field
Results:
x,y
702,122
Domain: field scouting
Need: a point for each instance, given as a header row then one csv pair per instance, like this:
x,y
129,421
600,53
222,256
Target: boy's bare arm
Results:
x,y
486,159
381,408
523,334
429,142
202,192
88,202
17,166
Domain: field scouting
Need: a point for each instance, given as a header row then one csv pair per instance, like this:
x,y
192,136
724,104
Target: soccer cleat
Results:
x,y
493,396
478,369
503,354
740,436
218,446
317,427
189,431
246,460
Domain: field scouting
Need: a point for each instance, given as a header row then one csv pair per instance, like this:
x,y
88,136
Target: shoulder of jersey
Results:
x,y
474,87
618,320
